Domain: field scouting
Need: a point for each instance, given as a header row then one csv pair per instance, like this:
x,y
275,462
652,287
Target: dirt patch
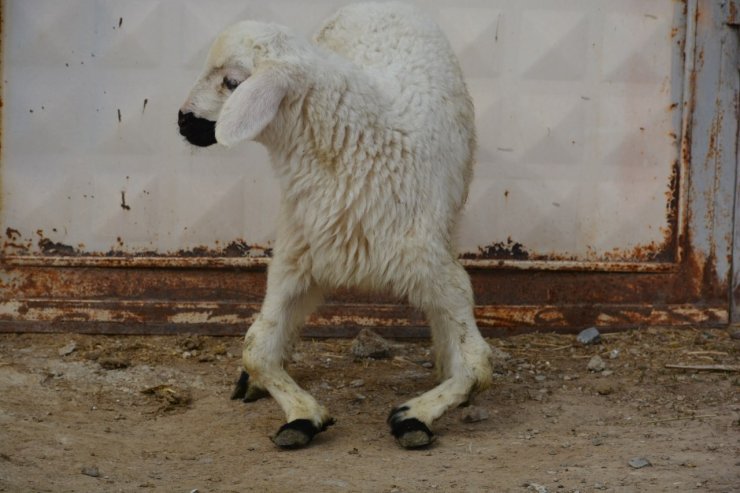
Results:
x,y
153,414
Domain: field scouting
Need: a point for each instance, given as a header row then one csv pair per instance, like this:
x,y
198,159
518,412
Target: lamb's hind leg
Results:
x,y
290,298
462,353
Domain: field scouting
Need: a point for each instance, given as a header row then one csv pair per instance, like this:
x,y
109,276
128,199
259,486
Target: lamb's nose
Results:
x,y
184,118
198,131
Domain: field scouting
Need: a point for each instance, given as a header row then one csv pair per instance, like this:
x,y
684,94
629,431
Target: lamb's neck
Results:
x,y
338,114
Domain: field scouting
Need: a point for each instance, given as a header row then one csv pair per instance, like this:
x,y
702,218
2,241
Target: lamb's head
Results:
x,y
247,75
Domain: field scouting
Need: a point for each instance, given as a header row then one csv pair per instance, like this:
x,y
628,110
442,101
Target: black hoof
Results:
x,y
410,433
246,392
298,433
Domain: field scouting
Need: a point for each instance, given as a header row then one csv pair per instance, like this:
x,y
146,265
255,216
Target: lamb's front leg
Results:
x,y
290,297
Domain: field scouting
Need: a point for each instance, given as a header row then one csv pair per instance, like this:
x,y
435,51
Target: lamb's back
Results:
x,y
394,41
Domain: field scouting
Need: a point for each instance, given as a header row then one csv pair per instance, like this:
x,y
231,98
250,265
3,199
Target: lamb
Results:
x,y
370,131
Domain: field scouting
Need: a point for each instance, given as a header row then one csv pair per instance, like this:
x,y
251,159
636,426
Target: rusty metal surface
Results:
x,y
713,155
340,320
731,12
194,299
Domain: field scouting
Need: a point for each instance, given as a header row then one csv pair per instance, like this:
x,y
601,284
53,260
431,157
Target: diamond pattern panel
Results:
x,y
573,100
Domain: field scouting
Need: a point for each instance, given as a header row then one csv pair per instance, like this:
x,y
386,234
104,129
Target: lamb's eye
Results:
x,y
230,84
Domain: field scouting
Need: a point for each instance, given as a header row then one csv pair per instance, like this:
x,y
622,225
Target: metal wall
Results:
x,y
604,190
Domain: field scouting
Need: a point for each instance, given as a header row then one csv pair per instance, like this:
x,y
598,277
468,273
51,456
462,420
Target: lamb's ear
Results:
x,y
251,107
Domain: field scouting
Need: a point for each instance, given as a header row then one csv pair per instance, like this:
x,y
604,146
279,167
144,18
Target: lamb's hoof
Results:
x,y
410,433
246,392
298,433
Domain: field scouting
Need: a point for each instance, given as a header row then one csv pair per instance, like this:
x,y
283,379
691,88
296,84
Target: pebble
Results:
x,y
369,344
596,363
474,414
91,471
113,363
357,383
68,349
500,359
589,336
538,488
614,354
639,462
604,388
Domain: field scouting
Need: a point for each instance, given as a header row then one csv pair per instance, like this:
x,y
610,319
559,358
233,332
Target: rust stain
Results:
x,y
16,245
499,251
49,247
124,205
225,298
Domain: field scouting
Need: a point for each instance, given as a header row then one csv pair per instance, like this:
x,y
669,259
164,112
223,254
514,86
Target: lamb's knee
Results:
x,y
482,367
256,357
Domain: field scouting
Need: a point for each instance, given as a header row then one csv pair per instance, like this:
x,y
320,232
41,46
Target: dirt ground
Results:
x,y
85,413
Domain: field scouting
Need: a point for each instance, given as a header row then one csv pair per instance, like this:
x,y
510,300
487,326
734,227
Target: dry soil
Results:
x,y
83,413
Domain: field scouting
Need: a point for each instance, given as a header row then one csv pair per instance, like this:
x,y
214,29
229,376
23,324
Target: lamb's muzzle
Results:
x,y
197,131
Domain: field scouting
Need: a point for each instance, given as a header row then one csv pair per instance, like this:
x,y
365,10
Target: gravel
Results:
x,y
369,344
639,462
589,336
596,364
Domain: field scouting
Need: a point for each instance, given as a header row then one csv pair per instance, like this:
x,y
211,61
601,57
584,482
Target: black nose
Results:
x,y
183,118
198,131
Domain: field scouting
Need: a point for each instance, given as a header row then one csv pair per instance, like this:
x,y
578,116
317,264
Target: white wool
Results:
x,y
371,133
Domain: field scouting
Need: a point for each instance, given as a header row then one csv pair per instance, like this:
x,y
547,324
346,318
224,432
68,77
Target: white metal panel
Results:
x,y
573,100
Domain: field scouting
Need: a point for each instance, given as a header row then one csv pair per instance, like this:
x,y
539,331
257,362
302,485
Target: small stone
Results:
x,y
500,359
369,344
639,462
537,488
192,343
589,336
604,388
68,349
540,378
357,383
474,414
91,471
113,363
596,363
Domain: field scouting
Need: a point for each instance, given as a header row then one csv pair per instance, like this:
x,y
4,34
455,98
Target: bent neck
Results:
x,y
324,118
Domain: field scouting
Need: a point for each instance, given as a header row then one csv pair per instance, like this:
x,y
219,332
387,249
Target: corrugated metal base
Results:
x,y
224,299
333,320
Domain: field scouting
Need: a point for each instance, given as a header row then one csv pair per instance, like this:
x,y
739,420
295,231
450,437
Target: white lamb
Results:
x,y
370,130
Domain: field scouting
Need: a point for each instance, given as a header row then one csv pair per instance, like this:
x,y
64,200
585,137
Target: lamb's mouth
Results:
x,y
198,131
